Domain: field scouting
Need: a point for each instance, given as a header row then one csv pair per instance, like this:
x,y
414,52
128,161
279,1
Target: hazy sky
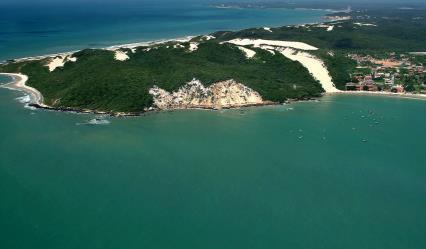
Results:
x,y
120,1
204,1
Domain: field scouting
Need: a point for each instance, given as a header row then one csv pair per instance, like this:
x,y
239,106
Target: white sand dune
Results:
x,y
55,63
248,52
208,37
275,43
314,65
121,56
291,50
193,46
330,28
178,46
267,29
59,61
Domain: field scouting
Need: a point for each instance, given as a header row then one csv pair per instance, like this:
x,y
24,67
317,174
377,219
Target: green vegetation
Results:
x,y
395,30
339,66
98,81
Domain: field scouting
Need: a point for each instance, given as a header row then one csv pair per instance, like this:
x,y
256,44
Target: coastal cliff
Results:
x,y
224,94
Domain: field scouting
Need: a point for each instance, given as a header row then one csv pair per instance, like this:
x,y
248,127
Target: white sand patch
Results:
x,y
208,37
314,65
275,43
248,52
193,46
121,56
267,29
178,46
59,61
55,63
330,28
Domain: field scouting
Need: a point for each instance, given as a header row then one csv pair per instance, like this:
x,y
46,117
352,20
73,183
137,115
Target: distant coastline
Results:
x,y
59,39
185,94
113,47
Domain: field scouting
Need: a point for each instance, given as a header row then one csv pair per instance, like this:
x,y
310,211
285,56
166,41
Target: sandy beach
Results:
x,y
385,94
110,48
18,84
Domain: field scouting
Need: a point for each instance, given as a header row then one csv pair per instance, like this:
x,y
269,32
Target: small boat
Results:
x,y
98,121
95,121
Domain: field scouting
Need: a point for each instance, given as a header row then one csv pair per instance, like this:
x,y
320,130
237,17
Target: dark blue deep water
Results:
x,y
38,29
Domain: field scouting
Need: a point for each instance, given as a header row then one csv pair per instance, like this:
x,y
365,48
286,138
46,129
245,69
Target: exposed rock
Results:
x,y
224,94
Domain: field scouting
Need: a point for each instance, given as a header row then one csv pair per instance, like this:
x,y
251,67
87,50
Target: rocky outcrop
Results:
x,y
224,94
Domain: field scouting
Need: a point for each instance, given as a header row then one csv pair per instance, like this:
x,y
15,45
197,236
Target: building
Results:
x,y
361,87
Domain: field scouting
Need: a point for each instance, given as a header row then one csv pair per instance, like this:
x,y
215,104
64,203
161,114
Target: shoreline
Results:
x,y
133,45
110,48
384,94
157,110
36,100
18,84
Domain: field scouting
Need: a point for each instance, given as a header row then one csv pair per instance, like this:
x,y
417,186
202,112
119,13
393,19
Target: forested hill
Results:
x,y
95,79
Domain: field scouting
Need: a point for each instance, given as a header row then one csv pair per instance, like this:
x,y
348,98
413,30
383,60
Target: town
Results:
x,y
397,73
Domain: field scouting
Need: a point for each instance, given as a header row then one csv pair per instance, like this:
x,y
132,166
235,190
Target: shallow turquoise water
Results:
x,y
267,177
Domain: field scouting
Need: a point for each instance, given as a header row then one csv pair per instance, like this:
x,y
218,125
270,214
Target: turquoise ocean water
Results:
x,y
39,29
346,172
297,176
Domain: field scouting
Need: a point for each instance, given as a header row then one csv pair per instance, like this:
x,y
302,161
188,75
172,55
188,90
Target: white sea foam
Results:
x,y
27,106
24,99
